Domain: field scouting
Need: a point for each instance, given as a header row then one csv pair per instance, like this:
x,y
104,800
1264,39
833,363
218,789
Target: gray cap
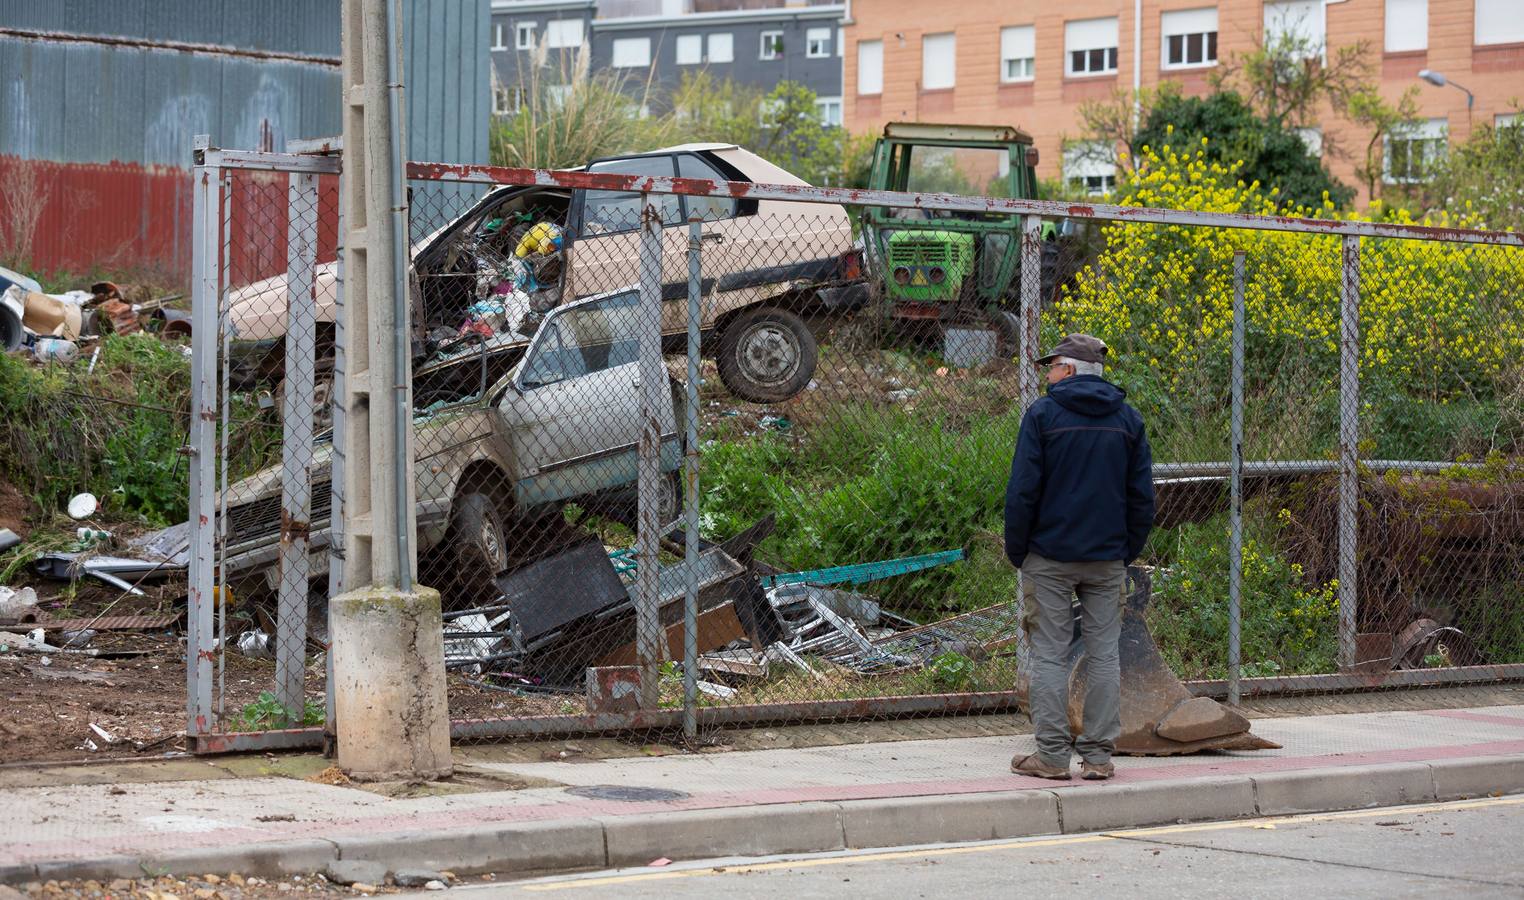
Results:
x,y
1082,347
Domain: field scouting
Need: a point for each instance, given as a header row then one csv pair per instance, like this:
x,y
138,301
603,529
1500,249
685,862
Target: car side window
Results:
x,y
584,339
610,212
709,209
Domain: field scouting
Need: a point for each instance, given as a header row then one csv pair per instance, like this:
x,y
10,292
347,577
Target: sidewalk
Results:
x,y
541,815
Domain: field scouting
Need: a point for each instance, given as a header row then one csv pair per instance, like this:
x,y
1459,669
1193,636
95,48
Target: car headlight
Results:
x,y
901,275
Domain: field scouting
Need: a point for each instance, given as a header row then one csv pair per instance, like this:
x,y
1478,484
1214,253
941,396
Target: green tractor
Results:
x,y
950,268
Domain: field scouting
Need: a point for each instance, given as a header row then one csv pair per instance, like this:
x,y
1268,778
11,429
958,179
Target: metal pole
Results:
x,y
205,185
1026,362
652,386
1349,446
691,484
1236,490
296,445
401,259
1031,307
336,479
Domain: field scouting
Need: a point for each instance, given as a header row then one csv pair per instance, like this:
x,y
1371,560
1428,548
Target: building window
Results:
x,y
817,43
631,53
1190,38
556,95
1411,152
839,42
769,111
722,48
1298,20
1091,46
506,100
1505,120
1313,138
939,57
829,110
1407,25
499,36
1018,50
1090,166
523,36
870,67
563,33
772,45
1499,22
690,49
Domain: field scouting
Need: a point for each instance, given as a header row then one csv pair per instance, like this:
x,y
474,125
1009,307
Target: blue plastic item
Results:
x,y
861,573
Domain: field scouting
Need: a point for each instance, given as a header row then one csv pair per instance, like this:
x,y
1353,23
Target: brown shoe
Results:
x,y
1096,771
1032,764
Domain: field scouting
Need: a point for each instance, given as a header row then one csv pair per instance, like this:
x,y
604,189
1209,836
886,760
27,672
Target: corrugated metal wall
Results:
x,y
98,125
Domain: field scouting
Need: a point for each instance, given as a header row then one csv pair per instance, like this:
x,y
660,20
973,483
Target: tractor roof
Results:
x,y
958,134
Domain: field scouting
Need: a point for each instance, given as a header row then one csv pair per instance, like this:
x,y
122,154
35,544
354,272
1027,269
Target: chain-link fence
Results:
x,y
697,445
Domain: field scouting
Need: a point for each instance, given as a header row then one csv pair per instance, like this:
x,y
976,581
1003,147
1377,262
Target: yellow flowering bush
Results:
x,y
1439,320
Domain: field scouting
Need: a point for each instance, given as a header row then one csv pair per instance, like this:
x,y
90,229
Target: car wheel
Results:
x,y
626,511
767,355
322,401
479,538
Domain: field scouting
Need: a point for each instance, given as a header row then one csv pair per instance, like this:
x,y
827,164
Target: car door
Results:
x,y
573,413
604,254
722,237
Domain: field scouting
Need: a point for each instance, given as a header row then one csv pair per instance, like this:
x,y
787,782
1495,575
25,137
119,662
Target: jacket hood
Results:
x,y
1087,395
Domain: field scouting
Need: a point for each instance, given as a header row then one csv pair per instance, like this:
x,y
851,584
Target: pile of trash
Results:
x,y
56,328
558,624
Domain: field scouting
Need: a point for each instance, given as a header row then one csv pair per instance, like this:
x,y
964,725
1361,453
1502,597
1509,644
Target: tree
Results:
x,y
1268,151
1112,125
1382,119
1287,78
1481,177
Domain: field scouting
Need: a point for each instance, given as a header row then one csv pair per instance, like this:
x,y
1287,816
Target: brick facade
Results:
x,y
1047,106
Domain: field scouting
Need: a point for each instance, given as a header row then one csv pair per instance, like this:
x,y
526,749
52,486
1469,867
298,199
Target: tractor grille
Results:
x,y
918,253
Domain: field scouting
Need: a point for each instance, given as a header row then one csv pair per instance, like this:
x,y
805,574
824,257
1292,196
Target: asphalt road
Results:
x,y
1471,849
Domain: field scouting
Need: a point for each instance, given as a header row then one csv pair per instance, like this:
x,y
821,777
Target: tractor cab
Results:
x,y
943,266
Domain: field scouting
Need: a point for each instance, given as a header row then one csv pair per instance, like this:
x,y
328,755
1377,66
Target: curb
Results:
x,y
816,827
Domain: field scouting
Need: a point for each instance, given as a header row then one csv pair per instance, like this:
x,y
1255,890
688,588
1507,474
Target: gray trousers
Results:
x,y
1048,588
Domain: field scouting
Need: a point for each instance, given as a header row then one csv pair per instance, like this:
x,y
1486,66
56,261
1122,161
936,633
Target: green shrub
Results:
x,y
1288,625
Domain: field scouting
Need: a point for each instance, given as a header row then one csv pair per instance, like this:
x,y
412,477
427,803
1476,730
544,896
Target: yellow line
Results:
x,y
749,868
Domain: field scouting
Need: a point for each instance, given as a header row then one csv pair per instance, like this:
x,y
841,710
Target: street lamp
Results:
x,y
1439,80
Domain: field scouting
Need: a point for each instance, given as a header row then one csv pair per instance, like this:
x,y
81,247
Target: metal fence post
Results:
x,y
1026,362
1236,486
1031,307
691,484
1349,446
296,444
652,386
335,480
205,245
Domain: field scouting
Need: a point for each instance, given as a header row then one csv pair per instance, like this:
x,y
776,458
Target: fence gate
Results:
x,y
265,271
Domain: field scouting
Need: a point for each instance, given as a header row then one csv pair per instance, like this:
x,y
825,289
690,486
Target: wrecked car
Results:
x,y
506,431
768,265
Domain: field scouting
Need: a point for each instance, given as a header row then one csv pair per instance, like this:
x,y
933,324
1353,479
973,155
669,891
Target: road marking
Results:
x,y
887,856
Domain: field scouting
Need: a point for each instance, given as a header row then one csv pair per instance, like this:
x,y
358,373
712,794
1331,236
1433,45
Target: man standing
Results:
x,y
1079,506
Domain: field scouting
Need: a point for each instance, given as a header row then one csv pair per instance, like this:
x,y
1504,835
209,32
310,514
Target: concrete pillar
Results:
x,y
389,691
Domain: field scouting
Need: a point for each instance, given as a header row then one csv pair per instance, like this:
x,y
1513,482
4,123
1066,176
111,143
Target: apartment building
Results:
x,y
1032,64
755,47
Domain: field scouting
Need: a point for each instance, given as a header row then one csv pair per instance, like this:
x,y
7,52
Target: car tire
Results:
x,y
767,355
1007,328
479,544
626,511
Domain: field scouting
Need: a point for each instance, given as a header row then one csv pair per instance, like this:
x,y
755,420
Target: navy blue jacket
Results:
x,y
1081,487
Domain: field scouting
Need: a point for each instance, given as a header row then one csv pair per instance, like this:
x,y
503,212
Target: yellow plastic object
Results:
x,y
543,238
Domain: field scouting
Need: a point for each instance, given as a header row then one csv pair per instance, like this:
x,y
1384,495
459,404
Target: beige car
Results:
x,y
768,265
